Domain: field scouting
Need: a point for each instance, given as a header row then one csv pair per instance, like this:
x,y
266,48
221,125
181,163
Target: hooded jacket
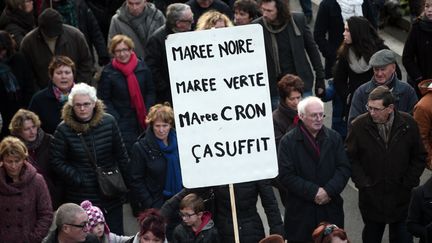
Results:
x,y
423,117
25,207
70,160
138,28
207,233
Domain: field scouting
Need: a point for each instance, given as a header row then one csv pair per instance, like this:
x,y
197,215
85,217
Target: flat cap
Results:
x,y
51,22
382,58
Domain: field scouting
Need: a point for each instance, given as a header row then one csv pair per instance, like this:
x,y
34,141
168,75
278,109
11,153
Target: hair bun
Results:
x,y
86,205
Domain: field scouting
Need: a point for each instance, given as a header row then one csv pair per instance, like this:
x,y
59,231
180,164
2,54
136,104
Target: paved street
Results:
x,y
394,38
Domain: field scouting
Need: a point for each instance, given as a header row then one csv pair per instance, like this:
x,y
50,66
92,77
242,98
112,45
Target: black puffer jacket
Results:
x,y
113,90
70,161
147,170
249,222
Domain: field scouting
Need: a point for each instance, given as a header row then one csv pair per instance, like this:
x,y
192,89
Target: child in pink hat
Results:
x,y
98,226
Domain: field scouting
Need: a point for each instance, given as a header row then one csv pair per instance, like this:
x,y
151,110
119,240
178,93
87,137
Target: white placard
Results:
x,y
222,108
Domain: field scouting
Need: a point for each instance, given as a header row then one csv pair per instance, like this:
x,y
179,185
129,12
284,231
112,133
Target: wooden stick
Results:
x,y
234,213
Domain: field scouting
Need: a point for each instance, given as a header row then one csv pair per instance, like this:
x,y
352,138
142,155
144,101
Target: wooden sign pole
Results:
x,y
234,213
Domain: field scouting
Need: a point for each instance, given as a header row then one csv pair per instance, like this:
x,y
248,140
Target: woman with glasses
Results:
x,y
87,136
25,204
48,102
127,89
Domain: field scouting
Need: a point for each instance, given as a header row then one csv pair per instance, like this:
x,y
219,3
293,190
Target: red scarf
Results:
x,y
137,100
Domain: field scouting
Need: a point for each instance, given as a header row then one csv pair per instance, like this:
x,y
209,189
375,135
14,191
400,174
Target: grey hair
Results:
x,y
67,213
174,13
82,89
301,107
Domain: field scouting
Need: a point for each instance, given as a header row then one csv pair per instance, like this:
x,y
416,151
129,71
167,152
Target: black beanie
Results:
x,y
51,22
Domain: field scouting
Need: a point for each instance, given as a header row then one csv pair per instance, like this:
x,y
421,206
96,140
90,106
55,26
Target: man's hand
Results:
x,y
322,197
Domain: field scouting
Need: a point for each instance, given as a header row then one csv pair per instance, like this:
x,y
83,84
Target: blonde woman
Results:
x,y
213,19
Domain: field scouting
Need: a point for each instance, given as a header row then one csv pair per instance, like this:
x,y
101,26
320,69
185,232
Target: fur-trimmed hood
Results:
x,y
70,119
425,86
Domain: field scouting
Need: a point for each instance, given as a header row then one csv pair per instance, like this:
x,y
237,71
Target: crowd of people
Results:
x,y
85,88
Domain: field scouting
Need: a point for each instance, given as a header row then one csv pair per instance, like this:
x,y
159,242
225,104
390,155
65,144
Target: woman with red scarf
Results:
x,y
127,89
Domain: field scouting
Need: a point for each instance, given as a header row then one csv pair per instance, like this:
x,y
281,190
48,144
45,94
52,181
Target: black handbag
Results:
x,y
110,180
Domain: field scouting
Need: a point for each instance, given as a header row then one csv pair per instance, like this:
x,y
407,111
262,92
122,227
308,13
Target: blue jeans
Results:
x,y
398,233
306,6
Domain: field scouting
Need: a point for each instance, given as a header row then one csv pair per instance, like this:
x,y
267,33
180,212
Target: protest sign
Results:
x,y
221,101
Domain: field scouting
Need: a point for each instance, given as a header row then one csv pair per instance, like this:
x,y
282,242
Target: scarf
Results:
x,y
357,65
425,24
350,8
311,143
32,146
60,96
21,18
275,51
173,181
389,83
9,82
385,128
137,100
68,10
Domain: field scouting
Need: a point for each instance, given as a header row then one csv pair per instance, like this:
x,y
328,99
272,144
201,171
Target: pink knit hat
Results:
x,y
95,215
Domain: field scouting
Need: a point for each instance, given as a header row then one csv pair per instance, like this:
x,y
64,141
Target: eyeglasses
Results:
x,y
186,215
120,51
84,105
374,109
81,226
189,21
317,116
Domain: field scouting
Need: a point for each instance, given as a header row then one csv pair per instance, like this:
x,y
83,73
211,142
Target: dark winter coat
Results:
x,y
10,104
250,226
208,234
283,120
25,207
155,57
419,220
71,43
302,175
217,5
113,90
89,26
300,43
101,9
415,57
329,28
48,108
405,98
17,23
385,173
147,169
70,160
39,157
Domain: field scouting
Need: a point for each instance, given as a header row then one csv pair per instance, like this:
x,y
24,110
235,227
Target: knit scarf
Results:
x,y
350,8
311,143
21,18
357,65
9,82
60,95
173,181
425,24
68,10
137,101
275,51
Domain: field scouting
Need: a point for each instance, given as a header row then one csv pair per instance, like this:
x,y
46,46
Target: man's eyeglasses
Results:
x,y
317,116
81,226
85,105
374,109
186,215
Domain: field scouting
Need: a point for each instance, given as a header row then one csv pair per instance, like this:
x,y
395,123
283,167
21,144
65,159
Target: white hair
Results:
x,y
301,107
82,89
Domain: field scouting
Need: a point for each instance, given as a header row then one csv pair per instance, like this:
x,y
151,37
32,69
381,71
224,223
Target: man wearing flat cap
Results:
x,y
51,38
383,63
387,158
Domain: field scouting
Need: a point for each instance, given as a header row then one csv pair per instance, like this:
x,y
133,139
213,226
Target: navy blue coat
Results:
x,y
113,90
302,175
